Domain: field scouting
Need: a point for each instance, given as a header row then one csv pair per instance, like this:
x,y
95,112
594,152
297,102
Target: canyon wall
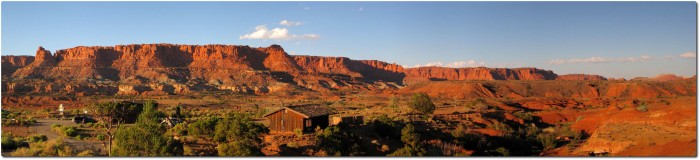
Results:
x,y
10,64
177,69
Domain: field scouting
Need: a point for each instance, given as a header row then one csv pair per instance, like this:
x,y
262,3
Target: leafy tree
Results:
x,y
386,127
238,148
112,115
239,135
421,103
147,137
338,141
203,128
238,126
412,143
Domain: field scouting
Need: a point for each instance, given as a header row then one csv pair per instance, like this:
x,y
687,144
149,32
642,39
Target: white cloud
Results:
x,y
689,55
262,32
289,23
601,60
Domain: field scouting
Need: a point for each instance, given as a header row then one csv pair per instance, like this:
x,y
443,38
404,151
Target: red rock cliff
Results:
x,y
577,77
480,73
367,69
10,64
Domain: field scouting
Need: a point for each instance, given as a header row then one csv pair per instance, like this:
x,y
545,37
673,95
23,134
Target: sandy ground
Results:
x,y
43,126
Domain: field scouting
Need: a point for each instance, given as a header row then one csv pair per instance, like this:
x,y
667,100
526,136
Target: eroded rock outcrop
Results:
x,y
10,64
579,77
481,73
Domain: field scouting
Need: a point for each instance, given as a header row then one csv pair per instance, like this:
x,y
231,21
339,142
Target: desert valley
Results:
x,y
236,100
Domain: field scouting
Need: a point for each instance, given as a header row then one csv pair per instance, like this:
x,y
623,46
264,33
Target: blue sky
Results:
x,y
613,39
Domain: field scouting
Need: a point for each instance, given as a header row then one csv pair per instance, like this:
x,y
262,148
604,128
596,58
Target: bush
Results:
x,y
386,127
86,153
338,141
101,137
459,132
8,142
413,146
238,149
51,148
523,115
548,141
421,103
37,138
477,104
503,151
642,107
70,131
502,127
298,132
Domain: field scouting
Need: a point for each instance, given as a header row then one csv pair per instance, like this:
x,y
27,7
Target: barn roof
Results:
x,y
306,110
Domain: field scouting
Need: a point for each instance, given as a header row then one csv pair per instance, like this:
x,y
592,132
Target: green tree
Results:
x,y
239,135
238,149
338,141
412,143
203,128
421,103
147,137
112,115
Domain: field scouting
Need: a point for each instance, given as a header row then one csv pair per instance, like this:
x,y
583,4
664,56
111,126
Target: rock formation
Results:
x,y
179,69
10,64
578,77
480,73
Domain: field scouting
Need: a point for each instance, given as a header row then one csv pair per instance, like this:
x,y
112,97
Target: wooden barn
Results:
x,y
304,117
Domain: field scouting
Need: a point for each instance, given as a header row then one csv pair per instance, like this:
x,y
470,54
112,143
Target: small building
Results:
x,y
352,121
305,117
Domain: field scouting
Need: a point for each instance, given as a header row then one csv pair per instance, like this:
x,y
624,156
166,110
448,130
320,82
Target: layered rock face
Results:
x,y
179,69
10,64
155,61
481,73
578,77
372,70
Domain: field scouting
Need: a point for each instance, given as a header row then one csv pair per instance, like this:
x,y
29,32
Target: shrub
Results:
x,y
503,151
412,143
459,132
8,142
386,127
548,141
523,115
292,145
338,141
54,126
642,107
421,103
86,153
49,148
477,104
298,132
101,137
37,138
238,149
502,127
70,131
